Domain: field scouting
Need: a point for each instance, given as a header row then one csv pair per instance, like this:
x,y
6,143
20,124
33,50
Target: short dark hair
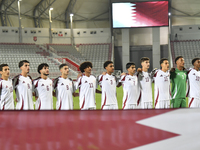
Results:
x,y
62,65
162,60
107,63
3,65
84,65
128,65
40,67
177,58
144,59
193,60
21,63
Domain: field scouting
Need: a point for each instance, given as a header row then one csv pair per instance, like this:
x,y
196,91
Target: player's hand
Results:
x,y
139,70
123,74
172,69
103,73
79,75
16,100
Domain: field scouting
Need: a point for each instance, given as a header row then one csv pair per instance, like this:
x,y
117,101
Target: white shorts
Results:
x,y
146,105
8,106
193,102
89,108
130,106
163,104
110,107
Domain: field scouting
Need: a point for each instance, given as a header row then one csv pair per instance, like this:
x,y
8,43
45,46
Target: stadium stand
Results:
x,y
96,53
189,49
12,53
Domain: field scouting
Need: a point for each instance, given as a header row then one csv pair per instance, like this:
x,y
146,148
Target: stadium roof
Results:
x,y
86,10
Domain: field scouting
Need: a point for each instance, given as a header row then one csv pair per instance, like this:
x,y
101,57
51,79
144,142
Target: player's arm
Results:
x,y
122,78
98,91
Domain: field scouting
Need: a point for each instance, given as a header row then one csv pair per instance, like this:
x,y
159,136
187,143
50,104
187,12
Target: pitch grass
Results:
x,y
98,99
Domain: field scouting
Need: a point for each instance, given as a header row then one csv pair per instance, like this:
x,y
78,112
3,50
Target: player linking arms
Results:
x,y
194,84
43,89
178,79
23,87
108,85
145,80
64,88
131,89
162,85
6,89
87,87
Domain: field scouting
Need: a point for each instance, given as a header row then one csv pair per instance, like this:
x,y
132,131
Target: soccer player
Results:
x,y
145,79
108,85
87,87
64,89
23,87
178,79
162,85
193,93
43,89
130,87
6,89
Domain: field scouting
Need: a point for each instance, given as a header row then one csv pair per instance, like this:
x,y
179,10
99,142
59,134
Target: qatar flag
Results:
x,y
140,14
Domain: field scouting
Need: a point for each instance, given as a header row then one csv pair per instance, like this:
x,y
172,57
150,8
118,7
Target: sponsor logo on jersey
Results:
x,y
42,84
193,73
106,78
6,86
85,81
62,84
161,75
23,82
129,79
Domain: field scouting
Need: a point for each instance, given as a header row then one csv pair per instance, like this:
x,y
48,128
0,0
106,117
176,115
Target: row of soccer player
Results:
x,y
137,86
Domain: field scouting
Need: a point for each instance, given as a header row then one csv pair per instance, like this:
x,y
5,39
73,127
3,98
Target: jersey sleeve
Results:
x,y
15,81
100,79
78,83
35,86
122,79
55,83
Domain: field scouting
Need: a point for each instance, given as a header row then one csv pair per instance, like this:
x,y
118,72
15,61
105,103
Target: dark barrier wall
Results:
x,y
81,130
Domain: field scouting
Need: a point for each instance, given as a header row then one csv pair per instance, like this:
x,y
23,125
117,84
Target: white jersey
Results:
x,y
23,90
161,86
64,89
131,91
6,95
108,85
87,89
43,89
193,84
146,86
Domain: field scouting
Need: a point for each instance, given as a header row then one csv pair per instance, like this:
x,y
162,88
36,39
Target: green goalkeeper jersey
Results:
x,y
178,80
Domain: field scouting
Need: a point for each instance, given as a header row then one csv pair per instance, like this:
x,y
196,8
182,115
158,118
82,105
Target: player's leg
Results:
x,y
183,103
191,102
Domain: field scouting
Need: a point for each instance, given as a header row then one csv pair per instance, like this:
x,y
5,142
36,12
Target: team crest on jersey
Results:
x,y
193,73
62,84
85,81
161,75
42,84
129,79
6,86
23,82
106,78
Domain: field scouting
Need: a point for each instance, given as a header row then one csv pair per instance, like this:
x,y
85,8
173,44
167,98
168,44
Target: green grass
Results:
x,y
98,99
